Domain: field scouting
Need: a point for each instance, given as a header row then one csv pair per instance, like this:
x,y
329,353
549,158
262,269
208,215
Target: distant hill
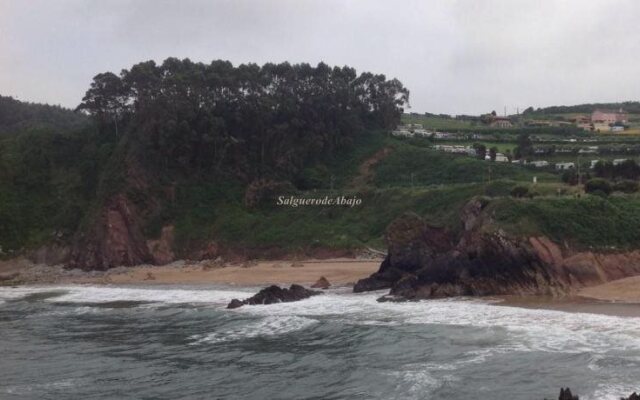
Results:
x,y
17,116
632,107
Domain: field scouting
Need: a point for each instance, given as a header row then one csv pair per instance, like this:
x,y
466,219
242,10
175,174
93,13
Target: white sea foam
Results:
x,y
22,390
416,382
526,329
268,326
611,391
522,329
104,294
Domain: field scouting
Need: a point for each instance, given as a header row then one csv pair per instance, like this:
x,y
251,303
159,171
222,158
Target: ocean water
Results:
x,y
84,342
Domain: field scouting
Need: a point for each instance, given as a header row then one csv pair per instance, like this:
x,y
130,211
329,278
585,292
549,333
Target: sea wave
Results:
x,y
106,294
268,326
523,329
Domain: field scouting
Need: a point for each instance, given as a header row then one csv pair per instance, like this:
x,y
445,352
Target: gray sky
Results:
x,y
466,56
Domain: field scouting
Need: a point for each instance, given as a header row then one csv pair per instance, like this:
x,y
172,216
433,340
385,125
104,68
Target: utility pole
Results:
x,y
412,180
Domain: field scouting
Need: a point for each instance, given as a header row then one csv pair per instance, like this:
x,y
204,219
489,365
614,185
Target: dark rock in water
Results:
x,y
389,298
322,283
634,396
235,303
275,294
565,394
370,284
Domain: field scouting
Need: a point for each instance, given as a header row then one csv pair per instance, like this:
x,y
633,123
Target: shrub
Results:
x,y
598,185
570,177
626,186
520,191
265,190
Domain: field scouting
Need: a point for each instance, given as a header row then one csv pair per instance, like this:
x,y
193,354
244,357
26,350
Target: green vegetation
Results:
x,y
211,212
587,221
16,116
272,121
208,148
421,166
445,123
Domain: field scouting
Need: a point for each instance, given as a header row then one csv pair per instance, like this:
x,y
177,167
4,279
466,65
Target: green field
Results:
x,y
437,123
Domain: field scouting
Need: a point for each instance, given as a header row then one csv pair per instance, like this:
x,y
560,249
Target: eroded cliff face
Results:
x,y
115,238
481,260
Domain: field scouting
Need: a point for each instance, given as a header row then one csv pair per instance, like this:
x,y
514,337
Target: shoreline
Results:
x,y
619,298
338,271
571,304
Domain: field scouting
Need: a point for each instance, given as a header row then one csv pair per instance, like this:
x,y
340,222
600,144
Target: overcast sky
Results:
x,y
466,56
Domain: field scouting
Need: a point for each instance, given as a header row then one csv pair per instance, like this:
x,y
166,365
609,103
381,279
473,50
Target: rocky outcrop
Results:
x,y
50,254
161,249
322,283
275,294
114,239
481,259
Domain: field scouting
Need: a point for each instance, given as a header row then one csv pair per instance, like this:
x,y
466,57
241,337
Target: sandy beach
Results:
x,y
620,297
339,272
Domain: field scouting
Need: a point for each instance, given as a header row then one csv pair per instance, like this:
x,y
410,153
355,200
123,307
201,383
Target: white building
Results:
x,y
402,133
539,163
589,150
565,165
619,161
501,158
593,163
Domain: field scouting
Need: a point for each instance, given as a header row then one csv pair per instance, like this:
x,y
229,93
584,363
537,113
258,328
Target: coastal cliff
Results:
x,y
481,259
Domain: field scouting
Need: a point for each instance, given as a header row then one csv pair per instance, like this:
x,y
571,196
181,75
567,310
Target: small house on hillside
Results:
x,y
501,122
609,116
539,163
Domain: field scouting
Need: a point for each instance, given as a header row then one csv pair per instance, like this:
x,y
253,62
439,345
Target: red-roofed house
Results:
x,y
609,116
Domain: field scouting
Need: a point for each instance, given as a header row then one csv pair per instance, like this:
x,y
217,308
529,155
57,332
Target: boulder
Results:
x,y
322,283
275,294
235,303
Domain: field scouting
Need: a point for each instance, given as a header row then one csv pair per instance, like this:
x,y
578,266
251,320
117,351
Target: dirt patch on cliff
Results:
x,y
366,170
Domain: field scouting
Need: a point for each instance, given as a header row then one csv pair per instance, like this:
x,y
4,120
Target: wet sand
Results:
x,y
575,304
622,290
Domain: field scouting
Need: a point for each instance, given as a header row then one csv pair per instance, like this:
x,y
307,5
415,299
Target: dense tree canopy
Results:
x,y
629,106
274,119
17,116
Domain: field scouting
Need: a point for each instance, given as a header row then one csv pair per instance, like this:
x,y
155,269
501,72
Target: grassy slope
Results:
x,y
433,168
588,221
215,211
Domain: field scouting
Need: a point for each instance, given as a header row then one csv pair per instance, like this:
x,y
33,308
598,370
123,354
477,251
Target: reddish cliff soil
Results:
x,y
114,239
